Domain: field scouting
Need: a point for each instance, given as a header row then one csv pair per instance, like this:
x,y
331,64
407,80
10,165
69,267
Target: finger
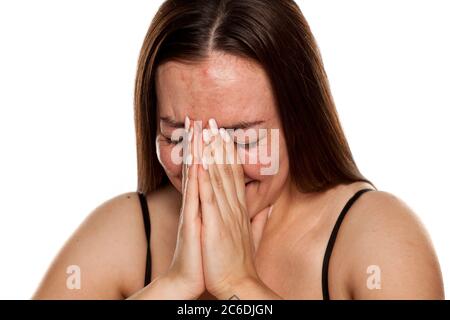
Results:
x,y
236,167
221,179
186,151
258,223
198,143
191,200
211,215
215,180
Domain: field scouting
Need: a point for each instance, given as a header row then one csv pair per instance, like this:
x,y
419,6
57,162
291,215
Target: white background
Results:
x,y
66,124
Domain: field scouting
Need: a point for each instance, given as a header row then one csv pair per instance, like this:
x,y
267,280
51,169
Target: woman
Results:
x,y
228,229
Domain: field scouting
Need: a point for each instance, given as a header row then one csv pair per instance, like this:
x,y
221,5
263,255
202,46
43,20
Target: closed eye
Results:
x,y
174,141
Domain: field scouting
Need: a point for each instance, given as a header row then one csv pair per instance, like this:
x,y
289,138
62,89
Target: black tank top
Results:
x,y
326,259
146,216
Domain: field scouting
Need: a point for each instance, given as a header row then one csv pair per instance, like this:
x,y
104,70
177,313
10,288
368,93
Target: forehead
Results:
x,y
225,87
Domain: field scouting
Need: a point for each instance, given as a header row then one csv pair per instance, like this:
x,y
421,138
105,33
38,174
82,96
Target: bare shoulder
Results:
x,y
107,249
166,199
388,252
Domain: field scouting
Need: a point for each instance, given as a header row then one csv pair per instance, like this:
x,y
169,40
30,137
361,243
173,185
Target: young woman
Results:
x,y
202,228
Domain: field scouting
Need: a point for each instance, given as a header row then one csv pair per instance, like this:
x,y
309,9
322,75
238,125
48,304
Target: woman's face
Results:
x,y
237,94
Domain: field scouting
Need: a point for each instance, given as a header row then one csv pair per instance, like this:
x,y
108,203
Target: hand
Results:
x,y
186,267
229,241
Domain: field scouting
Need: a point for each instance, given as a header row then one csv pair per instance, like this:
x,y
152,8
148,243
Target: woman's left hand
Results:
x,y
229,239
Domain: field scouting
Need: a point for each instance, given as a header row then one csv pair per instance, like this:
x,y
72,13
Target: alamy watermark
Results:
x,y
373,282
73,281
253,146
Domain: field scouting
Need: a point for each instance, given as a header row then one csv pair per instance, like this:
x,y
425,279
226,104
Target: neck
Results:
x,y
294,204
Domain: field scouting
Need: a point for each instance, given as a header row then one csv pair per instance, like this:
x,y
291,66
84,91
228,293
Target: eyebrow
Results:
x,y
245,124
239,125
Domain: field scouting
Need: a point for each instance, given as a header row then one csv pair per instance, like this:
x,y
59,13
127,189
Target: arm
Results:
x,y
107,251
248,289
184,279
230,239
390,255
97,266
164,288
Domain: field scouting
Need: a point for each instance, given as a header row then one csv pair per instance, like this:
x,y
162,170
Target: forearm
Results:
x,y
162,288
248,289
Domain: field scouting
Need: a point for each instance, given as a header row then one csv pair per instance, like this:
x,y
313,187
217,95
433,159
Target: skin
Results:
x,y
204,219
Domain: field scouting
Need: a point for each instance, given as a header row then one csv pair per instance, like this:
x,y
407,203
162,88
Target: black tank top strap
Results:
x,y
332,240
147,226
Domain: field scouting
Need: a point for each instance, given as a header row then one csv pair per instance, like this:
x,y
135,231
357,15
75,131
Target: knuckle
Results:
x,y
228,170
236,209
209,198
217,180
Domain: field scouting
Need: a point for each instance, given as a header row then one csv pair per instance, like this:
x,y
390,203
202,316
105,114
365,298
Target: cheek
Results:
x,y
268,187
253,171
266,161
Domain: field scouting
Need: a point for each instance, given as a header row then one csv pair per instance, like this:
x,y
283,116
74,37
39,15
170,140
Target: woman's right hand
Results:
x,y
186,269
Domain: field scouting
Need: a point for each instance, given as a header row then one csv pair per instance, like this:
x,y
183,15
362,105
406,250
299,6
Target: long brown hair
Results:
x,y
276,35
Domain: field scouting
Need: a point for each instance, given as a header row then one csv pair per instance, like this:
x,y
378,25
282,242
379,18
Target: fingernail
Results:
x,y
228,136
187,123
206,136
224,134
204,164
270,211
213,126
189,160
